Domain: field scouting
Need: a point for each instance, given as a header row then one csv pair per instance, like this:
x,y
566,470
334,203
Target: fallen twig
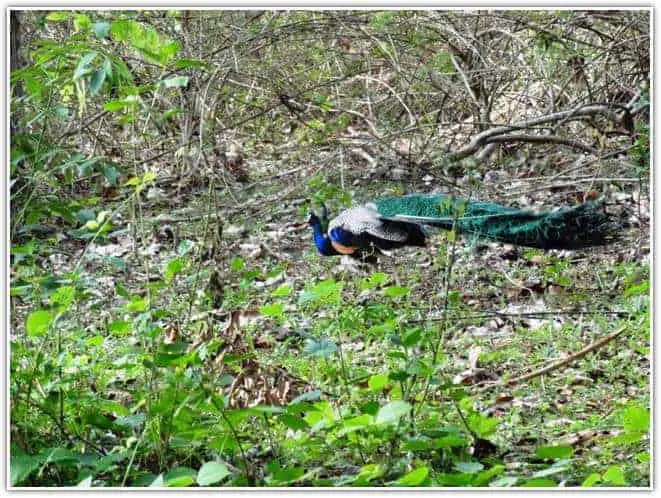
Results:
x,y
555,365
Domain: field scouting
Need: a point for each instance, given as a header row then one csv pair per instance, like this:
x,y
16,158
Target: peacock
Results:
x,y
393,222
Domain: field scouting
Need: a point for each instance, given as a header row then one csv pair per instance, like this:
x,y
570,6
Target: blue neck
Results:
x,y
321,240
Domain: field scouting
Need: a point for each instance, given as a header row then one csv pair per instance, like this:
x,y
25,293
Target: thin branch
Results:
x,y
557,364
552,139
486,136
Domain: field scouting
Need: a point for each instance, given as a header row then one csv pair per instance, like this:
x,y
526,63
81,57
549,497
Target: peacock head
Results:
x,y
321,240
314,220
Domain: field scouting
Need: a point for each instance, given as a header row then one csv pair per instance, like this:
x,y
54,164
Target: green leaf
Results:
x,y
237,264
211,473
81,22
643,457
482,426
97,81
640,289
614,475
591,480
287,475
21,466
412,338
180,477
468,467
374,280
137,305
111,174
450,441
322,348
355,424
504,482
190,63
83,65
158,482
120,327
273,310
327,290
414,478
101,29
38,322
174,82
392,412
539,483
553,452
59,16
85,483
173,268
63,296
283,291
396,291
293,421
636,418
377,382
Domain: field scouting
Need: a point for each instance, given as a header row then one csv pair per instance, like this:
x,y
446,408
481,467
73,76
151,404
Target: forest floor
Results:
x,y
287,321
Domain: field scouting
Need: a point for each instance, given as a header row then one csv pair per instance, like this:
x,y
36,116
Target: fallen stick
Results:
x,y
557,364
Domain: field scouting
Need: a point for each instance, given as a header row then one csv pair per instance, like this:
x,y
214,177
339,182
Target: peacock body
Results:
x,y
392,222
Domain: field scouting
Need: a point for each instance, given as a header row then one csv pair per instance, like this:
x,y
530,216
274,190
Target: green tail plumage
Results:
x,y
568,228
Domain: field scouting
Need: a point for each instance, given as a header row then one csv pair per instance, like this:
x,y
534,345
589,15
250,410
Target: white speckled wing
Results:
x,y
365,219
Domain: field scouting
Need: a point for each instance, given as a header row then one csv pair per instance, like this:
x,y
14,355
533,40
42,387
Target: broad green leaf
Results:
x,y
636,419
396,291
539,483
115,105
414,478
412,338
190,63
504,482
174,82
211,473
120,327
322,348
273,309
38,322
374,280
83,65
97,81
468,467
63,296
328,290
158,482
237,264
173,268
355,424
639,289
137,305
85,483
180,477
54,455
450,441
293,421
482,426
614,475
283,291
81,22
554,452
392,412
21,466
591,480
377,382
101,29
59,16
